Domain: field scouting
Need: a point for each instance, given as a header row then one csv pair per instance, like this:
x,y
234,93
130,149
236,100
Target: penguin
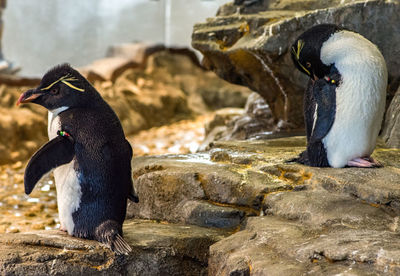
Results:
x,y
344,102
89,154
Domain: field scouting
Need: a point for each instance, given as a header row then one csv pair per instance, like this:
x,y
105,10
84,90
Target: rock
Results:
x,y
137,52
184,136
220,126
107,69
248,43
203,88
151,85
391,127
119,58
169,88
222,117
275,246
172,191
157,249
293,219
142,103
255,122
15,80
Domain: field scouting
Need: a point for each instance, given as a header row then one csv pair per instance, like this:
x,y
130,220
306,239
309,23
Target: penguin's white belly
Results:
x,y
354,132
360,97
68,194
67,182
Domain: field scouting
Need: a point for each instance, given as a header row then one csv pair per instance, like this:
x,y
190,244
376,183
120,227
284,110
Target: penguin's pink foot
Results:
x,y
62,228
364,162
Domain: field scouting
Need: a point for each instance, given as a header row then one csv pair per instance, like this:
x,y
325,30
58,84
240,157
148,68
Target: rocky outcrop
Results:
x,y
391,127
247,43
157,249
292,219
241,202
255,121
169,88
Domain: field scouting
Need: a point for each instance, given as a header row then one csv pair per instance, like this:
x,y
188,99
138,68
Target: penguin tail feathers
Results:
x,y
109,233
120,246
133,197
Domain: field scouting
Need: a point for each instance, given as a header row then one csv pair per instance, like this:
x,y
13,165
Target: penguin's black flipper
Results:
x,y
324,115
57,152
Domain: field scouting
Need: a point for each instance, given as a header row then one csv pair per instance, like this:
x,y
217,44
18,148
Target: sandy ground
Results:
x,y
22,213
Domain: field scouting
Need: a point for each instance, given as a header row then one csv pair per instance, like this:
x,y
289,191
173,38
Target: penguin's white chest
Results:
x,y
360,97
67,182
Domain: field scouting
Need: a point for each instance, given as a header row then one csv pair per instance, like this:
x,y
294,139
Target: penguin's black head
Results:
x,y
61,86
306,50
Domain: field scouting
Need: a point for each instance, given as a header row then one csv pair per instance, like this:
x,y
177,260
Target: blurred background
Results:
x,y
39,34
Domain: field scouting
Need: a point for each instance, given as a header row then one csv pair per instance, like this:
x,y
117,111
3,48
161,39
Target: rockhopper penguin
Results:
x,y
90,155
345,98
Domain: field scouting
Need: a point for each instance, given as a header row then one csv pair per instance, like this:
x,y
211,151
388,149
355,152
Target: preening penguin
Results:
x,y
90,155
345,99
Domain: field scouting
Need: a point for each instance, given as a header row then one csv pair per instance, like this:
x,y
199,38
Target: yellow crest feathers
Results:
x,y
66,80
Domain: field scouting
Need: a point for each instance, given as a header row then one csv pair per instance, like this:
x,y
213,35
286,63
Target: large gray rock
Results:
x,y
247,43
254,122
293,218
391,127
275,246
157,249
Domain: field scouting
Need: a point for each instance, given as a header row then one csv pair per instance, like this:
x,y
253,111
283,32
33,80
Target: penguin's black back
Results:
x,y
103,157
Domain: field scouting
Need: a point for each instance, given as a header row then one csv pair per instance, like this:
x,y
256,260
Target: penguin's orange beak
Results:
x,y
28,96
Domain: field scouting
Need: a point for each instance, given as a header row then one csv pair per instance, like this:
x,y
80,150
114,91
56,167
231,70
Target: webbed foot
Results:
x,y
364,162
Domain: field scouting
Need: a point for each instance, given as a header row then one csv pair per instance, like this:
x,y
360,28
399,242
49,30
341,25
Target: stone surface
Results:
x,y
247,43
293,219
275,246
254,122
273,217
391,127
157,249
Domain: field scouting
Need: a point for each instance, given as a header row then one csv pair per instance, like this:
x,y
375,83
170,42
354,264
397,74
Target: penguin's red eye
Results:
x,y
308,64
54,90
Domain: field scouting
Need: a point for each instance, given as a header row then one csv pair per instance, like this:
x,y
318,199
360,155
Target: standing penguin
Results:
x,y
90,155
345,99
